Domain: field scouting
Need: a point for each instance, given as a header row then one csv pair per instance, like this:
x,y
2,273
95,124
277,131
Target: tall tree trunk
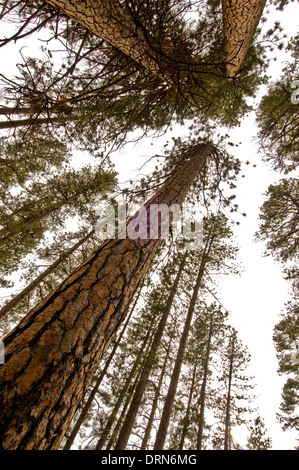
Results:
x,y
155,401
164,423
201,418
28,289
114,23
187,416
228,398
240,20
96,387
132,375
52,355
136,400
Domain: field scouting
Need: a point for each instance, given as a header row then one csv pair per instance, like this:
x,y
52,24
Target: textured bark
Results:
x,y
164,423
240,20
93,393
112,22
136,400
201,418
28,289
52,355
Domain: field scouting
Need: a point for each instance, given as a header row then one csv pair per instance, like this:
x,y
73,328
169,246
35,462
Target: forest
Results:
x,y
148,160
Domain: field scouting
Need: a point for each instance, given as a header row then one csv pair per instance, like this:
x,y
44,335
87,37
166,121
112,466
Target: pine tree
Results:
x,y
98,292
257,439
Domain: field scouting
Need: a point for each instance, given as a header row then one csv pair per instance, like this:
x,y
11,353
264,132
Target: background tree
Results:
x,y
257,439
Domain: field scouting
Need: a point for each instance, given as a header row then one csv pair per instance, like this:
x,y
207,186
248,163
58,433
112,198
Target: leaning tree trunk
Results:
x,y
125,431
188,410
96,387
114,23
52,355
240,20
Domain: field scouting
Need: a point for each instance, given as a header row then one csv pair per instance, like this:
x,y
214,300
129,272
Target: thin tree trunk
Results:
x,y
240,20
28,289
92,395
34,122
52,355
114,23
155,401
139,391
123,393
164,423
228,399
187,416
6,111
201,419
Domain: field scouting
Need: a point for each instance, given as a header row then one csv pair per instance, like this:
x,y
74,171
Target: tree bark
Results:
x,y
139,391
164,423
112,22
240,20
34,122
92,395
28,289
52,355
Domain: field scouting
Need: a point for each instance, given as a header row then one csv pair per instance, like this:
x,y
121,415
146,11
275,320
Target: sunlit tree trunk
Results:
x,y
228,397
240,20
52,355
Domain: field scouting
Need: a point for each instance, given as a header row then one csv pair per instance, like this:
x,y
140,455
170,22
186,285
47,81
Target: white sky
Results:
x,y
256,298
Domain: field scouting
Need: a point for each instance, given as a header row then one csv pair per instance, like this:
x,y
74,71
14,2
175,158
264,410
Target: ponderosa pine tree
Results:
x,y
278,114
235,400
98,294
240,20
215,250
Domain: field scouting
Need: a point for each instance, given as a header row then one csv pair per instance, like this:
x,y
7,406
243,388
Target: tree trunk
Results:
x,y
28,289
123,393
201,419
240,20
34,122
187,416
164,423
136,400
228,399
155,401
52,355
92,395
114,23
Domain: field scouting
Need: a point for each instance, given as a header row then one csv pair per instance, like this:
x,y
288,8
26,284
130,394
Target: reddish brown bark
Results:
x,y
240,20
52,355
112,22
